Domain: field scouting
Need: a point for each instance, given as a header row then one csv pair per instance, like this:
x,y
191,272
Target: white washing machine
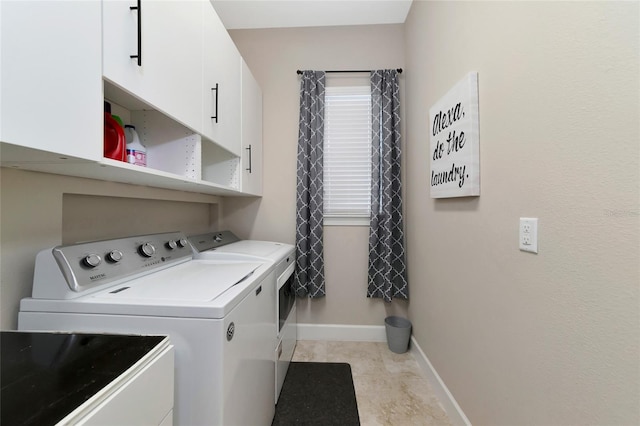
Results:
x,y
219,315
222,245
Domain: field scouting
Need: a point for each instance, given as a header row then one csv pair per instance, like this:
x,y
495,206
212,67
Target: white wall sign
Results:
x,y
455,144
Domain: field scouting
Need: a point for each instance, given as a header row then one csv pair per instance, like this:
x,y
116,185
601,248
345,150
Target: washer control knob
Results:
x,y
182,242
92,260
147,250
114,256
172,244
217,238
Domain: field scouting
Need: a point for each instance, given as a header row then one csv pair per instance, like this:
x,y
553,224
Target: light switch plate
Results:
x,y
528,236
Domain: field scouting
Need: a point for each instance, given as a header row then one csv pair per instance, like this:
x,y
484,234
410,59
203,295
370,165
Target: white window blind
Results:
x,y
347,152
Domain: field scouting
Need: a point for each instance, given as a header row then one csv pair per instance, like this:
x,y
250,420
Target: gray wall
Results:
x,y
519,338
41,210
274,55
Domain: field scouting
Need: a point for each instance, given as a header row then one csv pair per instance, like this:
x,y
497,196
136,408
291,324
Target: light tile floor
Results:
x,y
391,389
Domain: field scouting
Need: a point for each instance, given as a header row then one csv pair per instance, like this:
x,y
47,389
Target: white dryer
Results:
x,y
218,313
226,245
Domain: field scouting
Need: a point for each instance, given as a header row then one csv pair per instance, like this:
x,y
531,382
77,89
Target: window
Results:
x,y
347,155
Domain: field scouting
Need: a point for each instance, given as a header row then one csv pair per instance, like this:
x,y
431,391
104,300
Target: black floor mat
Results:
x,y
317,393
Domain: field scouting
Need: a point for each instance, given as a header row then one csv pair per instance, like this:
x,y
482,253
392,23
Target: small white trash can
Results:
x,y
398,333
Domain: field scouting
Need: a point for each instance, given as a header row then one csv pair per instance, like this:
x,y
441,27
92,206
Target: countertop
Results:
x,y
46,376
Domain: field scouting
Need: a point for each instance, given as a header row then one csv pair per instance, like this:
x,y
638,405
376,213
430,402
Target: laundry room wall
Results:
x,y
519,338
42,210
274,55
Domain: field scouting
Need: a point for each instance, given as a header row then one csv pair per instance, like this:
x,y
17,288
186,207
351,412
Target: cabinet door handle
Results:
x,y
249,149
139,55
215,117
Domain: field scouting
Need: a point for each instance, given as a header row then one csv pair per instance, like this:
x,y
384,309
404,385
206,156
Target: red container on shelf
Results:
x,y
115,145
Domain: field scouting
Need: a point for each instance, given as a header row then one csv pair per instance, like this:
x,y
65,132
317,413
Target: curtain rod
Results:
x,y
397,69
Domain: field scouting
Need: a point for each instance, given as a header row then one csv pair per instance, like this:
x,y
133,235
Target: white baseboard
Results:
x,y
347,333
449,403
377,333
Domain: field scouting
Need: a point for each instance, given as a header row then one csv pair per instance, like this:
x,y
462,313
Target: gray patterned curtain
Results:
x,y
309,275
387,267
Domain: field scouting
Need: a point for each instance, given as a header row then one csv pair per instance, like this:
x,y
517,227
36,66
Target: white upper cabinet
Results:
x,y
251,133
221,77
153,50
51,86
156,62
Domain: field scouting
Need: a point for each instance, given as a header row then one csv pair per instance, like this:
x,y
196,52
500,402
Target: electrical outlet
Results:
x,y
528,236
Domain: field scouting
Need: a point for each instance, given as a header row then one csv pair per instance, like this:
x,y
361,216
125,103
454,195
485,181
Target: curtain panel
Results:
x,y
309,275
387,265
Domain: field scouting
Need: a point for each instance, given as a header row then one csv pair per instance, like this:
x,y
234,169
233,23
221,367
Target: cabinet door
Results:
x,y
251,133
221,77
51,85
121,403
170,33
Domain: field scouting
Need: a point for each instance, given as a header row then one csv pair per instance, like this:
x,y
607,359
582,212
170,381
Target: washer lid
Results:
x,y
194,282
264,249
